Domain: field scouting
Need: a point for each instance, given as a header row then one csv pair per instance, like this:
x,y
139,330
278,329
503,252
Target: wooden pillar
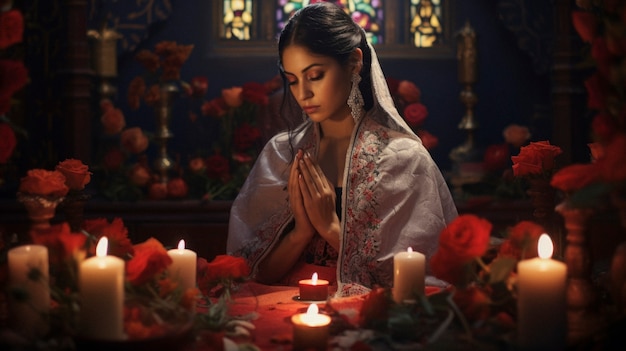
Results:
x,y
568,92
77,76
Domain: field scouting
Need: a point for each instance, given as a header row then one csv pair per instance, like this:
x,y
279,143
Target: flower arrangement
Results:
x,y
13,77
601,24
155,306
407,98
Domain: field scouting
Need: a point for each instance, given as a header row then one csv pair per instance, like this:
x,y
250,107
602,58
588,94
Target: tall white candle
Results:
x,y
409,270
183,267
541,305
28,273
101,288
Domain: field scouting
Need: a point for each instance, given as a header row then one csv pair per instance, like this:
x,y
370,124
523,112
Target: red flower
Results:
x,y
76,173
11,28
113,159
409,92
535,158
157,191
113,121
613,165
516,135
215,108
177,188
474,302
139,175
8,141
597,89
522,240
393,85
150,259
43,182
222,268
60,241
428,140
245,136
496,157
199,86
134,140
13,76
415,114
115,231
586,25
575,177
255,93
217,167
375,308
603,126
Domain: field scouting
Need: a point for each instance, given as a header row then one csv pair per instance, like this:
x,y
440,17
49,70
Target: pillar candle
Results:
x,y
310,330
541,305
183,267
313,289
101,290
28,273
409,271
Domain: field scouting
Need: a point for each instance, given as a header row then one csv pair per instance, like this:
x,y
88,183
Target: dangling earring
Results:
x,y
355,100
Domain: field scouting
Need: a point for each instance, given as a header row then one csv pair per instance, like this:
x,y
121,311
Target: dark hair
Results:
x,y
326,29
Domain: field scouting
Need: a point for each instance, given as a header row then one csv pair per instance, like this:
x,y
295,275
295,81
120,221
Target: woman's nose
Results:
x,y
304,92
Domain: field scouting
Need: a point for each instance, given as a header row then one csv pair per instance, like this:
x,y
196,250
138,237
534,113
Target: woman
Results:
x,y
352,185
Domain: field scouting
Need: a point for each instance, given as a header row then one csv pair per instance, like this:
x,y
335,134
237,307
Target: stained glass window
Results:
x,y
368,13
426,26
237,19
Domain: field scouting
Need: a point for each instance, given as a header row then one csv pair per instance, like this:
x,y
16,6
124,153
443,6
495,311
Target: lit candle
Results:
x,y
310,330
183,267
28,273
541,305
409,270
313,289
101,289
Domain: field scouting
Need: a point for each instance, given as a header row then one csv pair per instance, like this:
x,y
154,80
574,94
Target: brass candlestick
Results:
x,y
104,56
467,70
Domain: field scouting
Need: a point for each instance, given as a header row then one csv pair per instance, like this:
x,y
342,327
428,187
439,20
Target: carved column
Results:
x,y
77,78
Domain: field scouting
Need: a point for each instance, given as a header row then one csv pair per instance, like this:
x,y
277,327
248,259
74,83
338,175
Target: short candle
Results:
x,y
310,330
27,316
313,289
541,305
409,270
101,290
183,267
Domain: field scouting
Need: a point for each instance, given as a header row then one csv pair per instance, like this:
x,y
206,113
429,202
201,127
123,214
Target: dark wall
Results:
x,y
511,88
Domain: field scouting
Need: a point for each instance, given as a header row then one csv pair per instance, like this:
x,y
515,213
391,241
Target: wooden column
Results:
x,y
77,77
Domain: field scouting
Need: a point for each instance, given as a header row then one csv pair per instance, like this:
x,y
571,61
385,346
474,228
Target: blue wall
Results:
x,y
509,89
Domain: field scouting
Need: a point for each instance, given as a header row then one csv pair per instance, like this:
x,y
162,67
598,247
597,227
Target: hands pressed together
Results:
x,y
312,198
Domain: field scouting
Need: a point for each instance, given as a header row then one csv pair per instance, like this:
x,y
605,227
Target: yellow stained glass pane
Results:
x,y
237,19
425,26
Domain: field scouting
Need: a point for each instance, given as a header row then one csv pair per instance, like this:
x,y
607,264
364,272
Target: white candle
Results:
x,y
409,270
101,288
310,330
183,267
541,305
28,274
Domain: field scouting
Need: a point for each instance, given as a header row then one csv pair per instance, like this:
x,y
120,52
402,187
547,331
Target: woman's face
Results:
x,y
319,84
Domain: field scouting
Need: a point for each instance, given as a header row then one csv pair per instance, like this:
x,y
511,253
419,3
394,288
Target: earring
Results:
x,y
355,100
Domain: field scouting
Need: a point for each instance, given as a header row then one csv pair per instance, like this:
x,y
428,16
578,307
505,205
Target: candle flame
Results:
x,y
312,310
101,248
314,278
410,249
545,248
181,244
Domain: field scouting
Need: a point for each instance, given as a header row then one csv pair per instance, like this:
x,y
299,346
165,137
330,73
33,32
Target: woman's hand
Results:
x,y
302,222
319,198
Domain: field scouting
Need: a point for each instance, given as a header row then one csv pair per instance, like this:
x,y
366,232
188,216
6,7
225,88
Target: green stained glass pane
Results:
x,y
367,13
237,19
426,22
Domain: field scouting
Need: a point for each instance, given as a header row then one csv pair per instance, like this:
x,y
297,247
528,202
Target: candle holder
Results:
x,y
163,113
41,209
73,207
104,57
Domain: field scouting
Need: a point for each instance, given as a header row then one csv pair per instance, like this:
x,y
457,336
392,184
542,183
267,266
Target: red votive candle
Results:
x,y
313,289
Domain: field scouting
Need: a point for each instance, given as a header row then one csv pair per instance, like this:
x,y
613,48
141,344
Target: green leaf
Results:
x,y
501,268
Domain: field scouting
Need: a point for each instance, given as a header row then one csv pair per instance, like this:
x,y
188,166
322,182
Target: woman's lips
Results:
x,y
310,109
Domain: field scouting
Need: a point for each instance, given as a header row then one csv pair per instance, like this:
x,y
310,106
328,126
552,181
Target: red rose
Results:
x,y
428,140
409,92
139,175
199,86
76,173
149,60
613,165
11,28
393,85
466,237
473,302
602,56
597,150
177,188
217,167
522,240
448,267
113,159
575,177
62,244
43,182
136,89
134,140
223,267
597,90
157,191
215,108
113,121
233,96
115,231
273,84
197,165
245,136
496,157
603,126
516,135
255,93
535,158
586,25
415,114
13,76
8,141
149,260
